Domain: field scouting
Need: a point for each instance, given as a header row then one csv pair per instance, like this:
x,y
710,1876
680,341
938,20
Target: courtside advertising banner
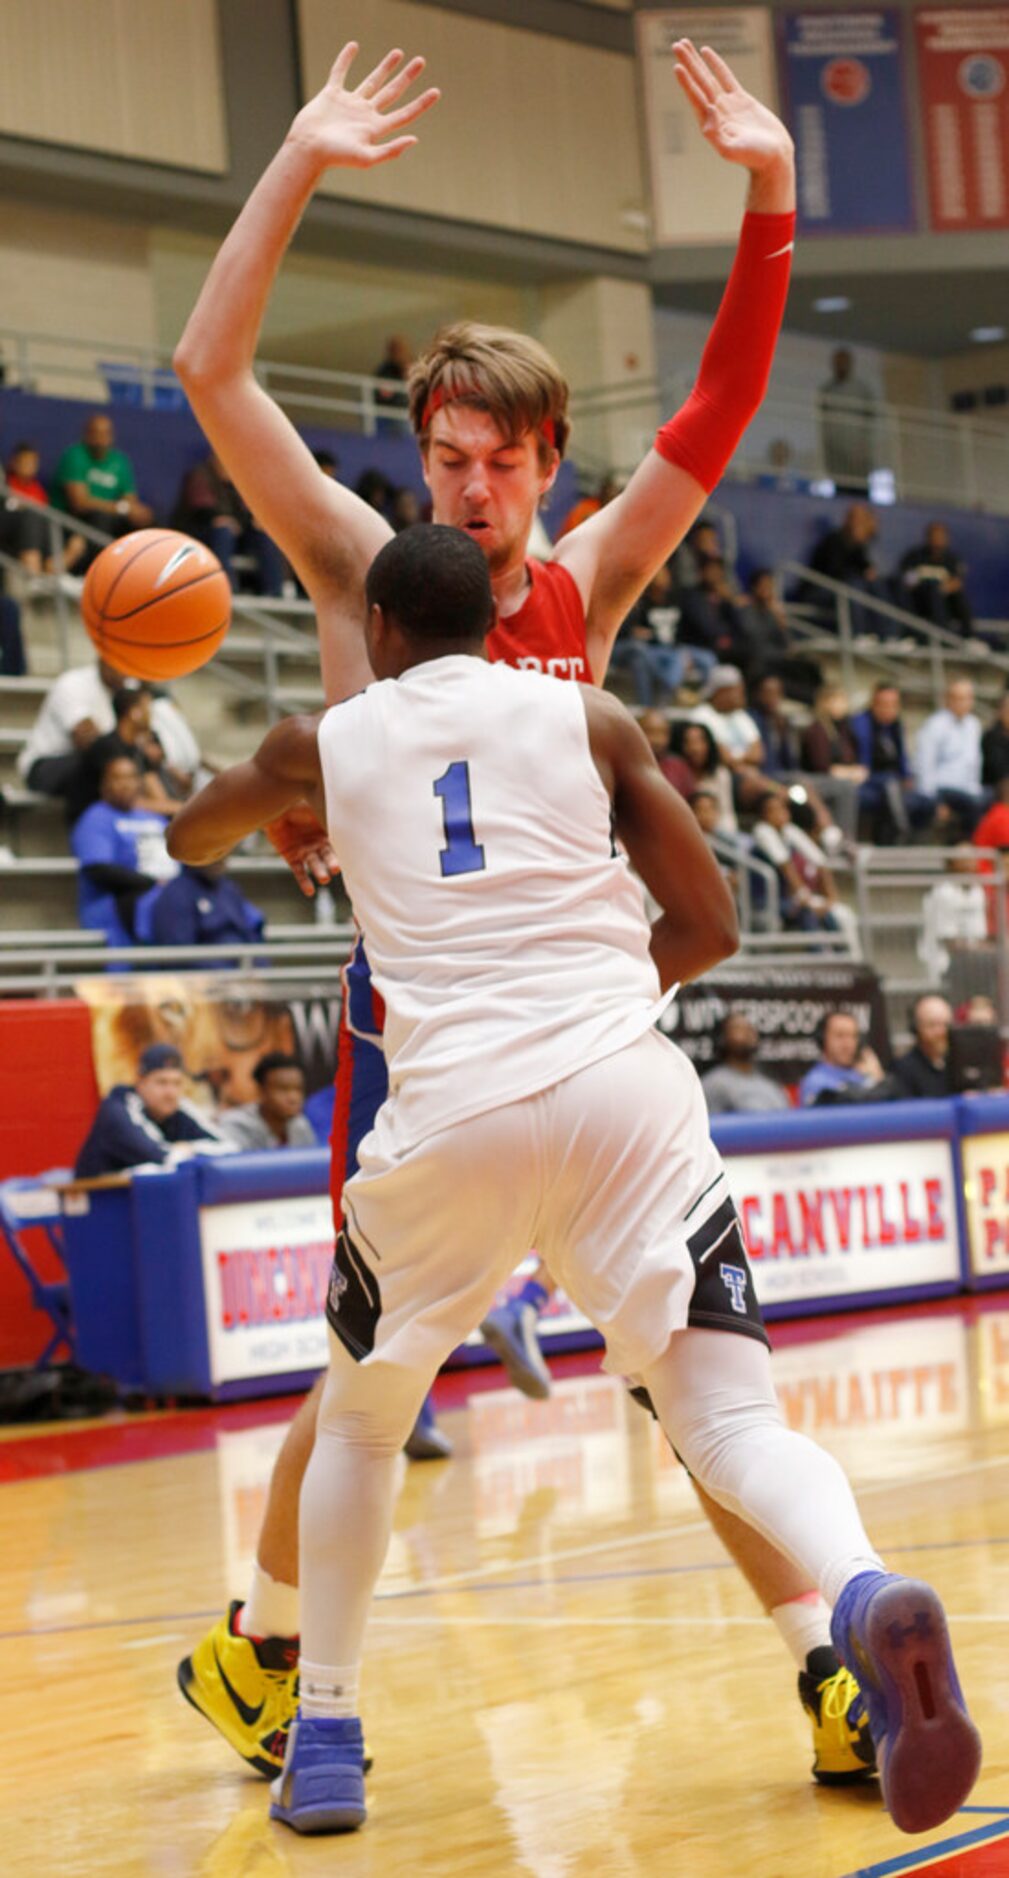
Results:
x,y
842,82
986,1197
266,1270
846,1222
963,70
696,195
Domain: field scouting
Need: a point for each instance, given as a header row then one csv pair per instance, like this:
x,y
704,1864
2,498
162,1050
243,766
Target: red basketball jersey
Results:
x,y
547,634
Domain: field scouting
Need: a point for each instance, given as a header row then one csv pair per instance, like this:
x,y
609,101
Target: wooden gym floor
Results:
x,y
565,1677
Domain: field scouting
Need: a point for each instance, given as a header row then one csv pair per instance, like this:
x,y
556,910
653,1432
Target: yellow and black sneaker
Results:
x,y
249,1691
842,1744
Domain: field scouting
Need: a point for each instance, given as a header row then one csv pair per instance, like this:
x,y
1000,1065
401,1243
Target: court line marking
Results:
x,y
927,1855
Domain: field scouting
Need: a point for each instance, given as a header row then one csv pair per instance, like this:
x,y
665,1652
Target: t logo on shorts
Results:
x,y
734,1279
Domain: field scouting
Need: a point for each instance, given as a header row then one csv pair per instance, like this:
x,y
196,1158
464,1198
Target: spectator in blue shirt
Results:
x,y
146,1121
122,855
845,1062
948,759
887,797
203,907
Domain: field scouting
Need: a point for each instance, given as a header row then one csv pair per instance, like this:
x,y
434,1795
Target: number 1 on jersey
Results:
x,y
461,853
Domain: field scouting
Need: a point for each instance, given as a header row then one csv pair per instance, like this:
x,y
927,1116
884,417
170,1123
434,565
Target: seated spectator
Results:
x,y
845,554
703,543
76,710
122,857
828,752
694,762
13,663
95,482
646,645
995,747
992,830
609,487
391,396
931,577
277,1119
954,914
782,759
132,703
809,900
923,1072
893,808
724,713
147,1121
710,617
203,907
209,506
24,530
948,760
732,847
736,1086
764,641
845,1062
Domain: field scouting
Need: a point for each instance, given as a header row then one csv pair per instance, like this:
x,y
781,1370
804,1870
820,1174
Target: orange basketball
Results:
x,y
157,604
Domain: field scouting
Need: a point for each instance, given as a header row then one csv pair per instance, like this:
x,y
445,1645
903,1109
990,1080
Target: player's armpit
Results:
x,y
698,927
284,772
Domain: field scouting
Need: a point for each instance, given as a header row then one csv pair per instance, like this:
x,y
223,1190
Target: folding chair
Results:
x,y
25,1205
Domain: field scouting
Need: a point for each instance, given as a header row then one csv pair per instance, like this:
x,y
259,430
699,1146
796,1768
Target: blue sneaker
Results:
x,y
891,1633
425,1442
511,1333
321,1787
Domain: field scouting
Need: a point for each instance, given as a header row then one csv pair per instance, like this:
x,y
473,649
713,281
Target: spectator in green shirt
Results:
x,y
95,482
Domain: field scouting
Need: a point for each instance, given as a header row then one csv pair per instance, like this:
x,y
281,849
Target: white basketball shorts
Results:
x,y
610,1174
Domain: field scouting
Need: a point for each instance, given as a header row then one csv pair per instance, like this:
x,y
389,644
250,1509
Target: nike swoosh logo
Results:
x,y
778,252
177,560
249,1715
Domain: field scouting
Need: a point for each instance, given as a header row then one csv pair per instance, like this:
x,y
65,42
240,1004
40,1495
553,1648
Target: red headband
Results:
x,y
548,429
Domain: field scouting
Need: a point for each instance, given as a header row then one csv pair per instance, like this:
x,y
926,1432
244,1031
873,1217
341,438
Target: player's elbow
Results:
x,y
189,843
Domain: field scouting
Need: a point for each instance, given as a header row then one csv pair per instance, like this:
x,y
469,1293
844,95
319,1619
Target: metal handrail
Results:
x,y
938,639
885,869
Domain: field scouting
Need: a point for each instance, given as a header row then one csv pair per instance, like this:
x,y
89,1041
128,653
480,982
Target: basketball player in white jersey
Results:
x,y
489,409
474,810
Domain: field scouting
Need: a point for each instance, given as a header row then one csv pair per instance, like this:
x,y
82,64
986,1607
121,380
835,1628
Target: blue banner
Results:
x,y
842,83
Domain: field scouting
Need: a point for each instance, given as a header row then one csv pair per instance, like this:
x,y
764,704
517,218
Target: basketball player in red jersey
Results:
x,y
489,410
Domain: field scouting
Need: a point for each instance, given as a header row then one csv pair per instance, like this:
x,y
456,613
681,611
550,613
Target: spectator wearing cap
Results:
x,y
146,1121
277,1120
735,732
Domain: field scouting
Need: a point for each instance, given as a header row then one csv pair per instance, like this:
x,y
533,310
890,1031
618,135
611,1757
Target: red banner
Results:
x,y
963,64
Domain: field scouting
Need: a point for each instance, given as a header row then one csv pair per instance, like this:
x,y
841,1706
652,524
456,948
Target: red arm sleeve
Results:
x,y
737,359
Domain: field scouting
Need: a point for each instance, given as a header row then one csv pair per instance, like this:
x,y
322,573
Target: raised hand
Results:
x,y
344,128
735,124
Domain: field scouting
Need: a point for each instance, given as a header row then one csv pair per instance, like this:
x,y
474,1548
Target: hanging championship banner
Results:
x,y
843,95
963,64
696,195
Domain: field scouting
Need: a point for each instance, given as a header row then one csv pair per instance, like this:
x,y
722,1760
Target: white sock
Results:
x,y
803,1624
272,1608
328,1694
841,1572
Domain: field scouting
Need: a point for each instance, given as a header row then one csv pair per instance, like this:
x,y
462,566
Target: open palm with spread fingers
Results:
x,y
346,128
735,124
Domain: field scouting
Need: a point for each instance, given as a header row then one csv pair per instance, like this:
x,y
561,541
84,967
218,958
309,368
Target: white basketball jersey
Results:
x,y
505,933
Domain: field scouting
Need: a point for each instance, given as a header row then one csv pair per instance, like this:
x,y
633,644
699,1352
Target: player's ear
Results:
x,y
548,473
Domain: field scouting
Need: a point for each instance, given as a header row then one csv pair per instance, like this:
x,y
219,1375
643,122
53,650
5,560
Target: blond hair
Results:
x,y
492,369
